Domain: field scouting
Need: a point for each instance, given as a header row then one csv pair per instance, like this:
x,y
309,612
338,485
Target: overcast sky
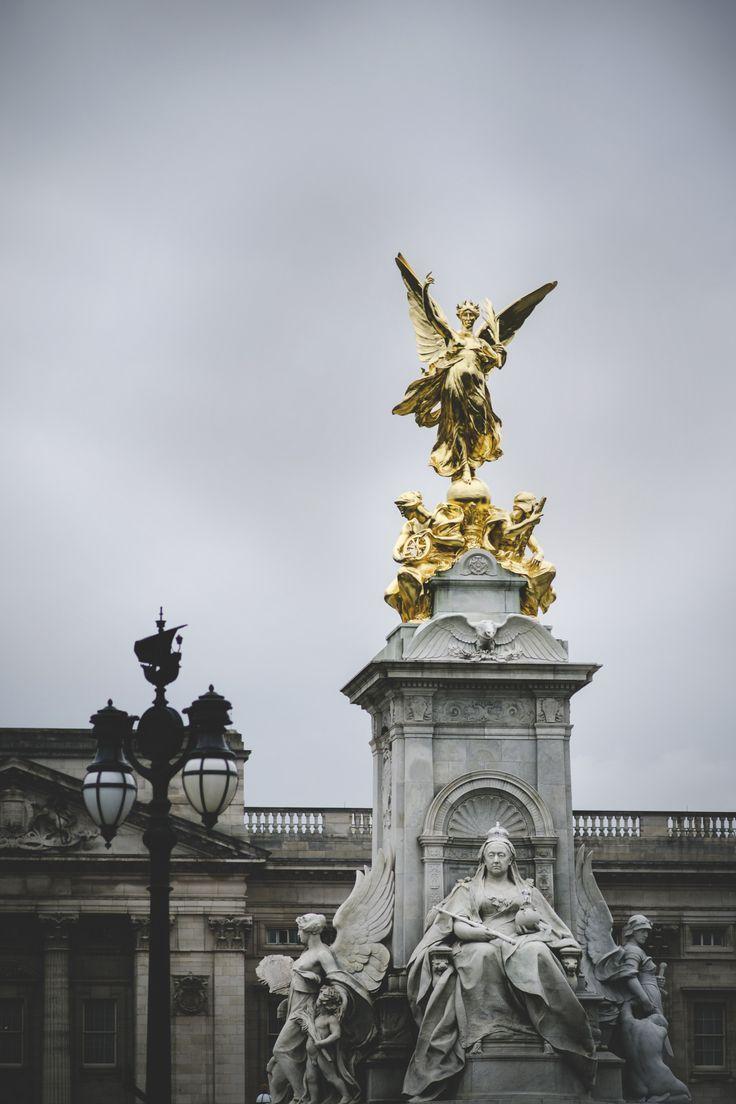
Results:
x,y
204,334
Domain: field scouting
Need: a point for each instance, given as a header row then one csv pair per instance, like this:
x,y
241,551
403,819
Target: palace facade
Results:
x,y
74,929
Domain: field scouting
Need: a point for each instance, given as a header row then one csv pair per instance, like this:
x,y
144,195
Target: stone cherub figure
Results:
x,y
314,1033
325,1069
633,1021
452,393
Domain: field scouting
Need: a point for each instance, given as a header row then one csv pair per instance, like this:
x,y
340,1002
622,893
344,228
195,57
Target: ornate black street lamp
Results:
x,y
158,749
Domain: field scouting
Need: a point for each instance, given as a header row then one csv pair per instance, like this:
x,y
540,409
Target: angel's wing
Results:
x,y
526,635
511,319
363,921
594,924
435,641
275,972
430,344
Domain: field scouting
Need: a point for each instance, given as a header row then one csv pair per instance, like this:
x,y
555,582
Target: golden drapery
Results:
x,y
453,396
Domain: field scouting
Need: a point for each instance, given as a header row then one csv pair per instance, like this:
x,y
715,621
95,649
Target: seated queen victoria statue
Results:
x,y
503,975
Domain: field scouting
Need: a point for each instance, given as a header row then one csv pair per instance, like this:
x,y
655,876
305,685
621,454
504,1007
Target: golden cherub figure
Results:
x,y
452,393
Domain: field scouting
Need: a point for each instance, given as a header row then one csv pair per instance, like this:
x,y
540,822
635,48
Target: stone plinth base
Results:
x,y
608,1078
384,1079
521,1072
518,1072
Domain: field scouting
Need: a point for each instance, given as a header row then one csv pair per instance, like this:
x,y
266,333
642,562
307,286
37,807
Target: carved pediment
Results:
x,y
41,811
35,821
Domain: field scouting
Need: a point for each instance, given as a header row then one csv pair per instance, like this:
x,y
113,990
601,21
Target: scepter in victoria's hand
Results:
x,y
476,924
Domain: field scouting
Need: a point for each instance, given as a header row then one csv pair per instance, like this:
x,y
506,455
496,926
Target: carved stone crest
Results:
x,y
190,994
550,710
418,708
34,825
479,565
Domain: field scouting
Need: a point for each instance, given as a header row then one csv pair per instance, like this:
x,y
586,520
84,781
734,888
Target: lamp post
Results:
x,y
158,749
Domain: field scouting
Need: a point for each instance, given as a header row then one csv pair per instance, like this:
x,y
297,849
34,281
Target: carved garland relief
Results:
x,y
473,712
386,784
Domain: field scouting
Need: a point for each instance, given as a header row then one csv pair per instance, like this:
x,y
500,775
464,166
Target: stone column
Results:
x,y
228,1006
412,792
142,930
552,731
57,1041
141,924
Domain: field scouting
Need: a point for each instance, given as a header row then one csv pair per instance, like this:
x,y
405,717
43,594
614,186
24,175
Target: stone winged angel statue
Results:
x,y
328,990
452,393
632,1019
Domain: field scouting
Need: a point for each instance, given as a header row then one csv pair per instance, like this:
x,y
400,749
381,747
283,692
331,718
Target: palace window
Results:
x,y
282,936
11,1031
708,937
99,1032
709,1034
274,1024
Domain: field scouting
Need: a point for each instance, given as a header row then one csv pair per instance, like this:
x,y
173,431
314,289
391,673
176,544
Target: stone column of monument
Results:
x,y
470,713
467,734
57,1040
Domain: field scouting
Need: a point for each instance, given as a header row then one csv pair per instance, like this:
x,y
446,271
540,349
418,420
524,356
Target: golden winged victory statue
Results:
x,y
452,394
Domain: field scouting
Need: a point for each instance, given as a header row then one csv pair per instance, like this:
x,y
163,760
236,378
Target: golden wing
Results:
x,y
430,342
511,319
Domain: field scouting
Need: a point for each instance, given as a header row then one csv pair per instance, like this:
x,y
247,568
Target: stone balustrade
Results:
x,y
305,820
299,821
592,824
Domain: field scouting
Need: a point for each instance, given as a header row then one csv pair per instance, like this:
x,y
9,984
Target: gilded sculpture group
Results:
x,y
453,395
431,541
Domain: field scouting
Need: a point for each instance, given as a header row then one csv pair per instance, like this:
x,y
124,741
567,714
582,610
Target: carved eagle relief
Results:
x,y
516,638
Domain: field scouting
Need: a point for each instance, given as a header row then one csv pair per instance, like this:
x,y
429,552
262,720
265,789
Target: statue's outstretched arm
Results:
x,y
433,318
534,547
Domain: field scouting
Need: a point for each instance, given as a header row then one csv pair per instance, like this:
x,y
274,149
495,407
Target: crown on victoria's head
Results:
x,y
498,832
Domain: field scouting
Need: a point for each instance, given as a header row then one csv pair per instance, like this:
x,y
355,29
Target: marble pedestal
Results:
x,y
517,1073
471,725
464,736
527,1073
